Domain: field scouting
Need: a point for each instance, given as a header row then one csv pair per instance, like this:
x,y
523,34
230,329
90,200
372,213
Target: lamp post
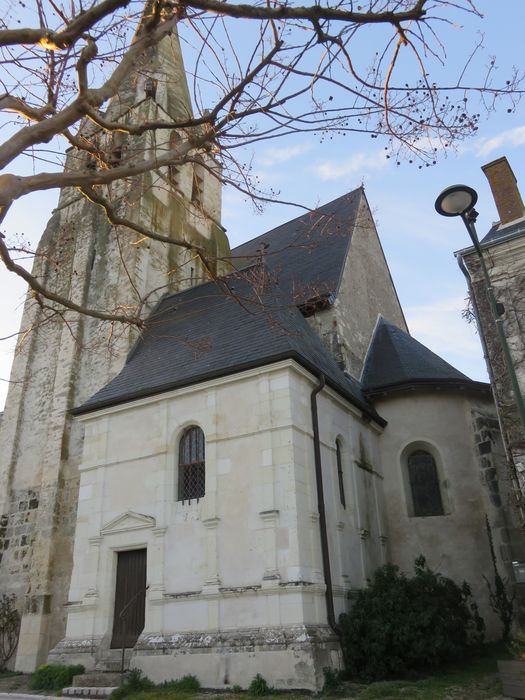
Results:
x,y
459,200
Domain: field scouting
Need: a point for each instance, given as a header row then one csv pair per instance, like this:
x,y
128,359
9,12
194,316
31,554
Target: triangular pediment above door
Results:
x,y
128,521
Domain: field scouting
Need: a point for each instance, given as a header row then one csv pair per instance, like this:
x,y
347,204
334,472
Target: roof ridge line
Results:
x,y
291,221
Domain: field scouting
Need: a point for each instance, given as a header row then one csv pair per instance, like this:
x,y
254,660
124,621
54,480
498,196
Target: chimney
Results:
x,y
505,191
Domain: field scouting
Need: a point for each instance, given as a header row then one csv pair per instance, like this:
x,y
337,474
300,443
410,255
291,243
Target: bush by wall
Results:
x,y
54,676
399,624
135,681
259,686
186,684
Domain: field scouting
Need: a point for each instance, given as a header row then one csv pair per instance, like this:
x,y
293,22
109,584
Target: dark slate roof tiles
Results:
x,y
306,256
497,233
206,332
395,359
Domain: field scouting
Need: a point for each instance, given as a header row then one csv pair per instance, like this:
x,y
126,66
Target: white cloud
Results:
x,y
440,326
274,156
511,137
357,163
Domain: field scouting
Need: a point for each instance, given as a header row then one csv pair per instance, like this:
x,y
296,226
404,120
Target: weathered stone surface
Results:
x,y
56,368
366,290
504,259
97,680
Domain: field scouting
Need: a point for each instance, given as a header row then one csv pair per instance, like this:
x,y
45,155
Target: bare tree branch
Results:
x,y
64,78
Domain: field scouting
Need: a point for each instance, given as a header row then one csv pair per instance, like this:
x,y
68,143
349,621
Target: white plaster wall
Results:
x,y
455,544
247,555
357,531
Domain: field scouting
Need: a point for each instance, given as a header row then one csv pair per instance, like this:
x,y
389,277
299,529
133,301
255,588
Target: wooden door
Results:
x,y
130,598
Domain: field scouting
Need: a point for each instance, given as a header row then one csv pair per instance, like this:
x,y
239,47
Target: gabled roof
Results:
x,y
211,331
396,361
306,256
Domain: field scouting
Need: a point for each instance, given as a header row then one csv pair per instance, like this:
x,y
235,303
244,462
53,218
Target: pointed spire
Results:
x,y
159,76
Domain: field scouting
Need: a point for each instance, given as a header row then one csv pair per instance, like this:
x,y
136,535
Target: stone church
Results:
x,y
206,495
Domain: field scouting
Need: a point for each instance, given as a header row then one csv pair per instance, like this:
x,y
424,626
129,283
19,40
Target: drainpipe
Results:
x,y
330,612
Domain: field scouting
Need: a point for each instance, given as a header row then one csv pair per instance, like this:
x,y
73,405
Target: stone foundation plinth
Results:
x,y
287,657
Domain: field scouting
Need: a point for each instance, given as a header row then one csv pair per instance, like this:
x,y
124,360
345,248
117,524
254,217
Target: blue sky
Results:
x,y
418,243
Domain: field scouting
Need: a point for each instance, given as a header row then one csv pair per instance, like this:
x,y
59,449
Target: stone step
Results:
x,y
101,679
88,692
111,660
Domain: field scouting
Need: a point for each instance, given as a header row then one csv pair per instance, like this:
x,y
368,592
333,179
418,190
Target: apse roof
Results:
x,y
306,256
210,331
396,360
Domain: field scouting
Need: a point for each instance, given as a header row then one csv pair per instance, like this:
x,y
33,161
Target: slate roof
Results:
x,y
395,360
497,234
251,318
207,331
306,255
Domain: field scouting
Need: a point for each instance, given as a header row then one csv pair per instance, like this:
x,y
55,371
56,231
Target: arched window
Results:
x,y
424,484
192,471
340,472
150,87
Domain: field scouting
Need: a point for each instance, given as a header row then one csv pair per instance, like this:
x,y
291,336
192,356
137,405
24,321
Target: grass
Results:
x,y
471,678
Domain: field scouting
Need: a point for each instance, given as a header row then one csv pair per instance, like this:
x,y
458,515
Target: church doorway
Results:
x,y
130,598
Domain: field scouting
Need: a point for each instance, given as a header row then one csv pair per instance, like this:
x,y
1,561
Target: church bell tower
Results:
x,y
66,358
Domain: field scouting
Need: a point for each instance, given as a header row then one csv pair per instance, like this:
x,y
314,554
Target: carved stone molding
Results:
x,y
127,522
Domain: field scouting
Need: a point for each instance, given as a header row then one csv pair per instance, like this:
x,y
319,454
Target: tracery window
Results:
x,y
424,484
192,470
340,472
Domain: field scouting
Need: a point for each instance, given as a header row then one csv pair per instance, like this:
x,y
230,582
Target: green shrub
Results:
x,y
399,624
332,681
54,676
236,688
134,682
259,686
186,684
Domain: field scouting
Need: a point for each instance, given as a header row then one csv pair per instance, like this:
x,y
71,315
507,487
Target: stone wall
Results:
x,y
461,433
236,581
366,290
62,360
504,261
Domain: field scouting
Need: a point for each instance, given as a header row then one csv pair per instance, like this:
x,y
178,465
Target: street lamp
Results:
x,y
459,200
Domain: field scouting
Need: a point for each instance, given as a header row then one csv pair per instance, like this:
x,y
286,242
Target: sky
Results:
x,y
418,243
